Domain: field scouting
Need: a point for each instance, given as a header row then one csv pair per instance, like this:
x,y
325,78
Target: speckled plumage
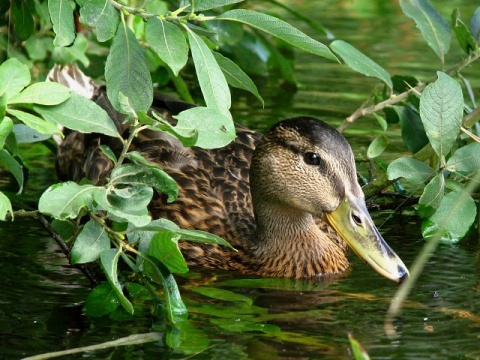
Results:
x,y
278,233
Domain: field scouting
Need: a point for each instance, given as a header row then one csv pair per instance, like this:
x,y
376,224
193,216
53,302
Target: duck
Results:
x,y
288,201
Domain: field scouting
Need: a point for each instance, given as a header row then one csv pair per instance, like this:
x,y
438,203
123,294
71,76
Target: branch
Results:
x,y
395,99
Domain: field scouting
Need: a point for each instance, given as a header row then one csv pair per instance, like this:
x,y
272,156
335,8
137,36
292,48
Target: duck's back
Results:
x,y
214,191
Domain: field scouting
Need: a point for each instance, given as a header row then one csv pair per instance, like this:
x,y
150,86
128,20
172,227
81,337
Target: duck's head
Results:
x,y
303,165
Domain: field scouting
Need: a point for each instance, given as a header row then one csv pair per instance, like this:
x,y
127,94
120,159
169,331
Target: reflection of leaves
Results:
x,y
222,294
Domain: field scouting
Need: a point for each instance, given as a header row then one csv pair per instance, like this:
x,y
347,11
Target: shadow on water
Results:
x,y
41,296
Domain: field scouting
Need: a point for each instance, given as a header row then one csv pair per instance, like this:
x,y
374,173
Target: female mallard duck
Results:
x,y
289,201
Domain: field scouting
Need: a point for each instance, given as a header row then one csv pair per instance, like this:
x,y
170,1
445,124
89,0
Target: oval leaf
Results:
x,y
126,71
7,161
433,193
34,122
6,127
377,146
441,111
102,300
453,218
434,28
61,13
212,81
164,247
280,29
43,93
236,77
5,206
14,76
465,159
359,62
215,129
80,114
168,41
91,241
414,171
462,33
101,16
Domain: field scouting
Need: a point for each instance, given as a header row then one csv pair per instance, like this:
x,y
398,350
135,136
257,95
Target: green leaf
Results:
x,y
280,29
464,37
6,127
466,159
22,19
5,206
132,174
212,81
413,132
453,218
475,24
43,93
36,123
221,294
25,134
434,28
65,228
359,62
102,17
381,121
187,137
441,111
14,76
215,129
212,4
61,13
102,300
38,47
109,262
202,237
89,244
164,247
72,53
358,351
8,162
236,77
377,146
108,153
80,114
414,171
432,195
126,71
65,200
168,42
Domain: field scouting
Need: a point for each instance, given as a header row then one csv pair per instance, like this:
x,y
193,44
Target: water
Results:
x,y
41,296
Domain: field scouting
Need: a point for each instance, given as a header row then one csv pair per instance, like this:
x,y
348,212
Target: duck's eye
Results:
x,y
312,158
356,219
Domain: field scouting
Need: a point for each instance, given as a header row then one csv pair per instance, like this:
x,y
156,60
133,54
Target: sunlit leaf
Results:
x,y
65,200
7,161
212,4
5,206
80,114
168,42
202,237
212,81
465,159
61,13
434,28
453,218
164,247
101,16
236,77
464,37
109,261
43,93
441,111
35,122
102,300
280,29
14,76
215,129
6,127
358,351
126,71
414,171
377,146
360,62
89,244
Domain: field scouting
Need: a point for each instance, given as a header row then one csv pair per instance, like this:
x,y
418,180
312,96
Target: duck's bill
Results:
x,y
353,223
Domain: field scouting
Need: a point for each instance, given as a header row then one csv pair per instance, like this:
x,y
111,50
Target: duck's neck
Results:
x,y
288,243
